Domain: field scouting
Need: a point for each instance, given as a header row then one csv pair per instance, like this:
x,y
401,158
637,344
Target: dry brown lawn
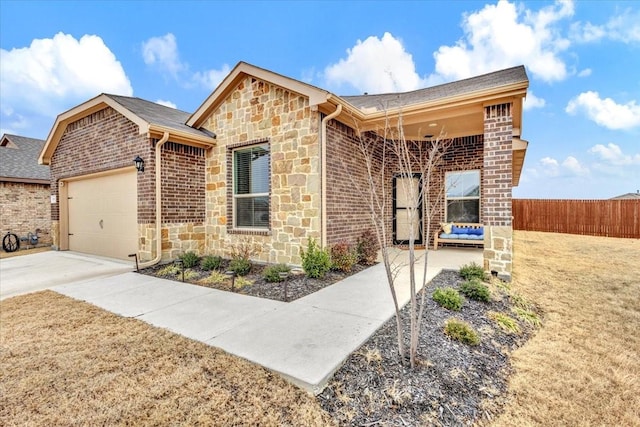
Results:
x,y
583,367
65,362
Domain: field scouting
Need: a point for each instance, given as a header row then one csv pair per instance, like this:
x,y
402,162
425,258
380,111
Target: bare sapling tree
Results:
x,y
389,153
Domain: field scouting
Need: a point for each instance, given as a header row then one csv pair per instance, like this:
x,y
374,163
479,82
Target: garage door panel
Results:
x,y
103,215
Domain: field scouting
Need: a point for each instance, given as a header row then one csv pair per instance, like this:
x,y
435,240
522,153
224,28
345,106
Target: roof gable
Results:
x,y
240,71
151,118
19,160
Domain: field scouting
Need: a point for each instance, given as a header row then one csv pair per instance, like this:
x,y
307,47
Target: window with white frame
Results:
x,y
463,196
251,187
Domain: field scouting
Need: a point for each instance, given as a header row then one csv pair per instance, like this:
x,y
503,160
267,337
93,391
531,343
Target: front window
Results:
x,y
251,187
463,196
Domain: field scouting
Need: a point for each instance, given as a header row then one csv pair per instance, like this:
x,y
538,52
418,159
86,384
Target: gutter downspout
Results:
x,y
159,144
323,179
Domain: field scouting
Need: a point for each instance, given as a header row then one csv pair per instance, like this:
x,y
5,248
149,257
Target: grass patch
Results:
x,y
67,362
506,323
169,270
527,316
215,278
586,353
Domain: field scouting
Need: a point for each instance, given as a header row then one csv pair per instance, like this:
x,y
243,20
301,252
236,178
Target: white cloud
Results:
x,y
211,79
551,167
376,66
166,103
605,112
49,76
612,154
585,73
532,101
163,51
624,28
504,35
574,167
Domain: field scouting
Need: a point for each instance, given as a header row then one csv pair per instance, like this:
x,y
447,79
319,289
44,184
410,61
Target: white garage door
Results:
x,y
103,215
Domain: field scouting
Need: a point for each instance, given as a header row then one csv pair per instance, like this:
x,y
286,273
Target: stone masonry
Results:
x,y
257,112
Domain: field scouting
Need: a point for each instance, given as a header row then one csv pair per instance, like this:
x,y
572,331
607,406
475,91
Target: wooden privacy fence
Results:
x,y
613,218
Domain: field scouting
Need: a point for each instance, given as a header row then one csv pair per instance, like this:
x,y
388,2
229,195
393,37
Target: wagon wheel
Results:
x,y
10,243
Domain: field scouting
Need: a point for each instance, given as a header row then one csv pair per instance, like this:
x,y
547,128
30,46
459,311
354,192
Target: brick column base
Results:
x,y
498,246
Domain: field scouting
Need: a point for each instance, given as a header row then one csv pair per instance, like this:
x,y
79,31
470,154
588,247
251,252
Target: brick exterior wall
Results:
x,y
347,208
106,140
259,112
496,189
26,208
348,211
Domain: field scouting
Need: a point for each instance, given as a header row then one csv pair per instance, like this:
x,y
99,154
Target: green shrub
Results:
x,y
240,266
272,273
506,323
475,290
367,248
315,260
461,331
472,271
211,262
343,256
448,298
189,259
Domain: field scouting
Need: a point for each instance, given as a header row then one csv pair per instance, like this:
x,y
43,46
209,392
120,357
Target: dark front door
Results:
x,y
406,195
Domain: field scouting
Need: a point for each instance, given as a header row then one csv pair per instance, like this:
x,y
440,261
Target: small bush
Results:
x,y
461,331
241,282
343,256
272,273
472,271
527,316
240,266
367,248
211,262
476,290
189,259
506,323
315,260
448,298
188,275
169,270
215,278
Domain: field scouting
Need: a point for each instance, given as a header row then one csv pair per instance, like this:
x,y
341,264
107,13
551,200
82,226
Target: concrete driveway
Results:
x,y
34,272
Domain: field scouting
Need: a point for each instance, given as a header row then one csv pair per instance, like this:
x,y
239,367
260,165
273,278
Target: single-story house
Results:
x,y
25,188
628,196
269,160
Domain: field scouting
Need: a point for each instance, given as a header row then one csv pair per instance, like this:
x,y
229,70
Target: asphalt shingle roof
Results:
x,y
22,162
460,87
157,114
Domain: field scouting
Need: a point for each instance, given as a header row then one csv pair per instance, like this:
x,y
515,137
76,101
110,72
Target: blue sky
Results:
x,y
582,114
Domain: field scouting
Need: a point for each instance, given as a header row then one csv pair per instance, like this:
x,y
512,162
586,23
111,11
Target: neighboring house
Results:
x,y
628,196
24,188
269,160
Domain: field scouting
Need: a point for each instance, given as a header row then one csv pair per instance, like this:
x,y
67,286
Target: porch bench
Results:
x,y
463,233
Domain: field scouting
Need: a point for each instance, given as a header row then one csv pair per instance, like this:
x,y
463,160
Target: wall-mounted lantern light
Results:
x,y
139,163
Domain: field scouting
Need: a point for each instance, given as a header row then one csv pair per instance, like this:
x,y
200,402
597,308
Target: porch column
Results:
x,y
496,190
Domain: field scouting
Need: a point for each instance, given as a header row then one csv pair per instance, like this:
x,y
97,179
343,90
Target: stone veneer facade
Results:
x,y
257,112
496,190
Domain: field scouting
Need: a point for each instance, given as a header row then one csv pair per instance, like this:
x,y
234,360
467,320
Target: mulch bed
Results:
x,y
453,384
297,284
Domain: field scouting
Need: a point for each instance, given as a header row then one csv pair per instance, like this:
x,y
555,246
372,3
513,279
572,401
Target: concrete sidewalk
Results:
x,y
306,340
34,272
